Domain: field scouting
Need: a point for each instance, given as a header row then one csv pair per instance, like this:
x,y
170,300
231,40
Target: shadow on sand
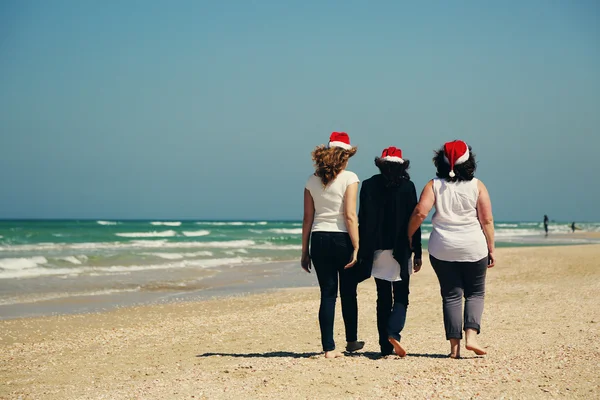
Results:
x,y
274,354
371,355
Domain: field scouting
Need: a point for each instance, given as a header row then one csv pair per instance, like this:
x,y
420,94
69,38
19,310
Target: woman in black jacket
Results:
x,y
387,201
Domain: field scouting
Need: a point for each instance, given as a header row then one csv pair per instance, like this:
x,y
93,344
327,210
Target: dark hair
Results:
x,y
393,172
464,171
329,162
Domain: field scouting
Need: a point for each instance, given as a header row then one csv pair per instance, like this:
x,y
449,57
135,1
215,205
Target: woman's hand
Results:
x,y
305,262
353,260
491,259
417,263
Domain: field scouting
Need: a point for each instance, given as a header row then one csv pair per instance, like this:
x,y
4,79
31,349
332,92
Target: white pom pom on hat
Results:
x,y
456,153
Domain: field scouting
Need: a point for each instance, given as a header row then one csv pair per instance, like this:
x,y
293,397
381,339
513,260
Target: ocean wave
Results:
x,y
120,269
294,231
38,271
179,256
196,233
231,223
146,234
106,222
73,260
134,244
507,225
165,223
272,246
52,296
22,263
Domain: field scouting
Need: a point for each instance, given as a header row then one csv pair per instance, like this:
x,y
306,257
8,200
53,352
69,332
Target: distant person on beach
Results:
x,y
330,226
546,220
461,246
573,227
387,201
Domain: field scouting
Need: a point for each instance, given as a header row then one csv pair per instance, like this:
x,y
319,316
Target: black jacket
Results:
x,y
383,218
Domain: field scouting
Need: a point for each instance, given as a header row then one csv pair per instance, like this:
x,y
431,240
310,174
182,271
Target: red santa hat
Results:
x,y
392,154
455,153
339,139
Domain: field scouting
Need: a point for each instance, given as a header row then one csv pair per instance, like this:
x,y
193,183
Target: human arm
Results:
x,y
415,242
307,222
421,210
351,220
486,219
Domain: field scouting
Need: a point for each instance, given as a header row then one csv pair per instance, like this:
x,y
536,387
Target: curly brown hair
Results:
x,y
329,162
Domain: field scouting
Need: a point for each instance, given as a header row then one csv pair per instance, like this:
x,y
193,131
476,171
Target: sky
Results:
x,y
210,110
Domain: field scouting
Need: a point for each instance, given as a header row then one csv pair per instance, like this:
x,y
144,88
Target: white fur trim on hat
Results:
x,y
462,159
393,159
343,145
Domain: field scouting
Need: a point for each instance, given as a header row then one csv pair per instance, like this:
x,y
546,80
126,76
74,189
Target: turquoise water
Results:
x,y
51,267
31,249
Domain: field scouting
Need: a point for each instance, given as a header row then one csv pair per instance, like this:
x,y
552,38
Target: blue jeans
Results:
x,y
330,252
392,302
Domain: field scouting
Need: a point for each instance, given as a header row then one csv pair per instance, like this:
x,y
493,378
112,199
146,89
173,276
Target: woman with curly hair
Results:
x,y
387,201
330,226
461,246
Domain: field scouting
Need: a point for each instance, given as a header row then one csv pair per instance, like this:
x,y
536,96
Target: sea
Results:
x,y
45,265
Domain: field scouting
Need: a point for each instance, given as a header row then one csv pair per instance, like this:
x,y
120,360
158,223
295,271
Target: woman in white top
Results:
x,y
461,246
330,226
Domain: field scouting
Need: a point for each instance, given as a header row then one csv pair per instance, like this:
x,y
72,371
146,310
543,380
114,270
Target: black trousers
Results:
x,y
392,303
330,252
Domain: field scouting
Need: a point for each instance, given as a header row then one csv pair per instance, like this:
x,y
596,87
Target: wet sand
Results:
x,y
540,329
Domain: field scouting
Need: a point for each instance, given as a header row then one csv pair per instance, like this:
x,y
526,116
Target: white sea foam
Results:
x,y
179,256
147,234
165,256
38,271
51,296
15,264
106,222
196,233
232,223
271,246
166,223
134,244
72,260
507,225
32,272
294,231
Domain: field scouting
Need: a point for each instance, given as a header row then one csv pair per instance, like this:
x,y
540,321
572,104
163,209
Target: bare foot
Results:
x,y
454,348
333,354
397,348
471,344
476,348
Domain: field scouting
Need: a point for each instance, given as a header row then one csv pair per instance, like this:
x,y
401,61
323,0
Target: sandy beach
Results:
x,y
540,328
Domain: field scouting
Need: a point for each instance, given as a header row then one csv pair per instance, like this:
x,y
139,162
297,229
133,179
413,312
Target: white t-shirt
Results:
x,y
386,267
329,201
457,233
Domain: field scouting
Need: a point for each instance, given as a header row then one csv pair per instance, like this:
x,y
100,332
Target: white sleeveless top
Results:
x,y
457,234
329,201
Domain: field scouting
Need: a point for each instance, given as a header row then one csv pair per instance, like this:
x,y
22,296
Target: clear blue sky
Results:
x,y
197,109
